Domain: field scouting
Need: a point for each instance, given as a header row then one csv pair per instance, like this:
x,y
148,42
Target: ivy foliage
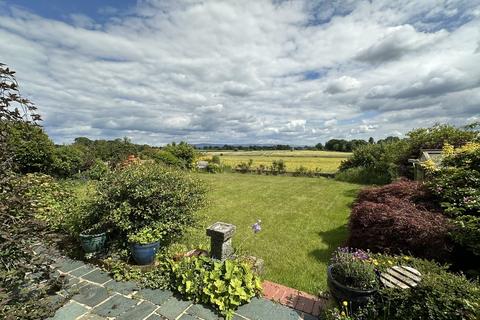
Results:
x,y
225,285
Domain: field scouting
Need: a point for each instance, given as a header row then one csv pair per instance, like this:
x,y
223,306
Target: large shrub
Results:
x,y
456,185
25,282
68,160
32,149
399,218
389,159
183,151
373,163
57,204
166,158
144,195
440,295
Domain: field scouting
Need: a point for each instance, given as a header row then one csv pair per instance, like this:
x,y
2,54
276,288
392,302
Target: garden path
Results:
x,y
96,296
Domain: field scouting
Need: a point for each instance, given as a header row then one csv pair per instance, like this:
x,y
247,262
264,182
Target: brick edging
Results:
x,y
293,298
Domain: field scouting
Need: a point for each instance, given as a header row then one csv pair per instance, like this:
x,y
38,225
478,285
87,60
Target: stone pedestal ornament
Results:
x,y
221,234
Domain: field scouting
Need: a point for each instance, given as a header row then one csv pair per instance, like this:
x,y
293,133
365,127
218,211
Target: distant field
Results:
x,y
326,161
303,220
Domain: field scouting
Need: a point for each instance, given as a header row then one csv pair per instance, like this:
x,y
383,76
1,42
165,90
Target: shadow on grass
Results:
x,y
333,239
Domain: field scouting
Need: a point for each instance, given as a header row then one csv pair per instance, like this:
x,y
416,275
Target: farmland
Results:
x,y
303,221
324,161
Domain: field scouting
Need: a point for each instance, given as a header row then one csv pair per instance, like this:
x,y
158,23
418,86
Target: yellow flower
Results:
x,y
390,261
375,262
343,313
406,258
345,303
447,149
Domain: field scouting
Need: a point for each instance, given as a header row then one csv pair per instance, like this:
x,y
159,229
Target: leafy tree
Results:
x,y
30,147
68,160
183,151
167,158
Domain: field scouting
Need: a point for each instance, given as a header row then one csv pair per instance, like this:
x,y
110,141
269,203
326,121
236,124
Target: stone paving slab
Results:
x,y
96,296
71,310
140,311
97,276
202,312
155,296
173,307
125,288
91,295
114,306
155,317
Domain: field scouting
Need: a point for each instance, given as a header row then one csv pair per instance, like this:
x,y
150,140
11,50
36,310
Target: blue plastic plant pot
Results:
x,y
144,254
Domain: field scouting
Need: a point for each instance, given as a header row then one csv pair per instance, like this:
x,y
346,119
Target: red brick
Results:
x,y
317,307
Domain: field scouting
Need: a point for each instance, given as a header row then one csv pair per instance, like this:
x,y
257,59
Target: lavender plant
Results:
x,y
353,268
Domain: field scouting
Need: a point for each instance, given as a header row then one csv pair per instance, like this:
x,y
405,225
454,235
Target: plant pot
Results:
x,y
356,297
93,242
144,253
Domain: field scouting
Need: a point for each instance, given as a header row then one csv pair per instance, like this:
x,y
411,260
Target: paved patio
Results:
x,y
96,296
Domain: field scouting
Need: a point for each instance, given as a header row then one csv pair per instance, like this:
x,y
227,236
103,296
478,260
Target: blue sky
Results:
x,y
61,9
297,72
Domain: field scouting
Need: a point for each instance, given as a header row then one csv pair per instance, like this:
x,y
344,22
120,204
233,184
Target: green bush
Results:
x,y
147,194
244,167
467,233
166,158
278,167
457,190
184,152
216,159
149,234
362,175
225,285
98,170
67,161
32,149
57,204
389,159
441,295
214,167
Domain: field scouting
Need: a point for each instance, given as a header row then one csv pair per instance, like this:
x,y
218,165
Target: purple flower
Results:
x,y
256,227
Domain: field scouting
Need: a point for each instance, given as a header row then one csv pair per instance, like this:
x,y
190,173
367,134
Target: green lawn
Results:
x,y
303,221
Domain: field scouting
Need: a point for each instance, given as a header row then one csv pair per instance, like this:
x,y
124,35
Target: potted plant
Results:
x,y
145,243
93,239
352,277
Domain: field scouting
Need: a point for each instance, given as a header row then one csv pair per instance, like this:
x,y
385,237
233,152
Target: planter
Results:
x,y
356,297
144,253
93,242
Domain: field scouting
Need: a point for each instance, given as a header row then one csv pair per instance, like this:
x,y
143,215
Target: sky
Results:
x,y
244,72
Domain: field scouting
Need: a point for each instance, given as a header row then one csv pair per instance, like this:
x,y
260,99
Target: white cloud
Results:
x,y
235,72
342,84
